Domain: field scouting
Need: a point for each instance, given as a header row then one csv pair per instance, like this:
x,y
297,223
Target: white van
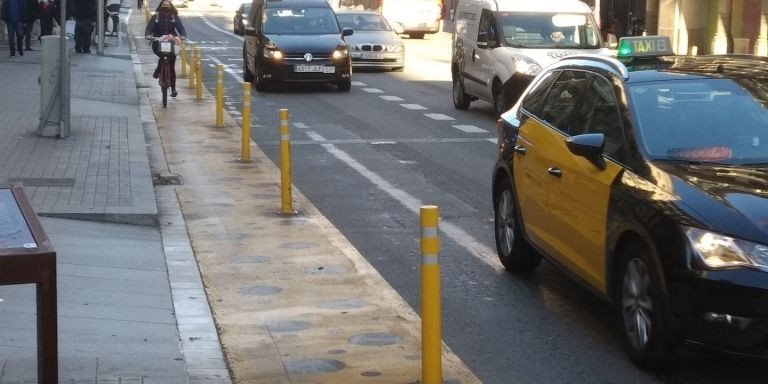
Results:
x,y
500,45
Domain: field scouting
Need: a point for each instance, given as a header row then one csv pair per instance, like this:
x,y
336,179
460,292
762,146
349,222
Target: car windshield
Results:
x,y
703,120
300,21
364,22
548,30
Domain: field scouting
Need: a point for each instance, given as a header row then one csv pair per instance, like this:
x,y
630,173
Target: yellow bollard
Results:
x,y
183,60
285,164
245,155
219,96
199,73
431,365
192,66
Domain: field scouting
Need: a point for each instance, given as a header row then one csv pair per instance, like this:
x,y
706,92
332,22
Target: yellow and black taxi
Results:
x,y
645,177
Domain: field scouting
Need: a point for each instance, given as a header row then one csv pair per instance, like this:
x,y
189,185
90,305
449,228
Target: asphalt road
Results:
x,y
369,158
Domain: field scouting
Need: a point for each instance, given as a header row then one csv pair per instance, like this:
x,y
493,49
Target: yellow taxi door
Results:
x,y
580,190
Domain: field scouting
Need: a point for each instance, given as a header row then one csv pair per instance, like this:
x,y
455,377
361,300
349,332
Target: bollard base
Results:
x,y
292,213
49,129
245,161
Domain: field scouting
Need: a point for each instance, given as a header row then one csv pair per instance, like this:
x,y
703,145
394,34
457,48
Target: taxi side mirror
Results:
x,y
589,146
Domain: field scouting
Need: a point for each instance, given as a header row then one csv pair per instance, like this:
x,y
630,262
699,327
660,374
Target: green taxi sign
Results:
x,y
644,46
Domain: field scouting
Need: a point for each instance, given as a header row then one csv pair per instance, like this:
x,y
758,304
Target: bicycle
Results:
x,y
167,49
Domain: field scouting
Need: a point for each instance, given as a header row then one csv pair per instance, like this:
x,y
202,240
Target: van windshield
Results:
x,y
548,30
300,21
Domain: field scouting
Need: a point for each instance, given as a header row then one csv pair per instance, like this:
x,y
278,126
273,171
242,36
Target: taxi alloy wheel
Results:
x,y
642,310
514,251
460,98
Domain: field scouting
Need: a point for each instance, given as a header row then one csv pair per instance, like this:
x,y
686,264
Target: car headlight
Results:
x,y
393,48
245,22
339,53
273,54
720,251
526,66
353,47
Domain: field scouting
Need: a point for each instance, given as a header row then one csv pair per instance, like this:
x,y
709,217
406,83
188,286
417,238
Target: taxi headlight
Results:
x,y
719,251
339,53
526,66
273,54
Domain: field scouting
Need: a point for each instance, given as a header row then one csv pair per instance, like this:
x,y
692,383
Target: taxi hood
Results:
x,y
290,43
727,198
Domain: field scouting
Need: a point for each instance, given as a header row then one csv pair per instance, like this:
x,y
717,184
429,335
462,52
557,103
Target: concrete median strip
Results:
x,y
293,300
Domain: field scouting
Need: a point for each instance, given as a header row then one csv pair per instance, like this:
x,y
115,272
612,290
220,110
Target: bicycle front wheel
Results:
x,y
165,96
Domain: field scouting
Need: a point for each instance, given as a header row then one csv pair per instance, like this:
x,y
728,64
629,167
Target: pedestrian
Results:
x,y
113,8
84,12
29,22
47,12
165,21
139,3
14,13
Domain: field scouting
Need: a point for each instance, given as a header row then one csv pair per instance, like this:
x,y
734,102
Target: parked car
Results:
x,y
295,41
646,180
241,18
375,44
180,3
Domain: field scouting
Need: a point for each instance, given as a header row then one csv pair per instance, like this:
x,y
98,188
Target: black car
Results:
x,y
646,179
241,18
296,41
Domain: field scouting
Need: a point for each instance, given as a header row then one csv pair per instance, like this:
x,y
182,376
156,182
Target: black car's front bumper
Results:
x,y
723,310
288,70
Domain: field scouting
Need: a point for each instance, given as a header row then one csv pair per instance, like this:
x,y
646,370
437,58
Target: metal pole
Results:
x,y
286,207
245,155
183,60
100,26
192,61
219,96
431,365
64,71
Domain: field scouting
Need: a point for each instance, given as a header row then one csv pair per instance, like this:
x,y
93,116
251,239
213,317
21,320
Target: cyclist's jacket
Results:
x,y
165,23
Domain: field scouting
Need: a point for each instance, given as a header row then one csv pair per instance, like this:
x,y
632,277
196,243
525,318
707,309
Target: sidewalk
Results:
x,y
119,317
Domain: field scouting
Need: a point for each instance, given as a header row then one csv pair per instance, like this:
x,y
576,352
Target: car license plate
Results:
x,y
373,56
165,46
308,68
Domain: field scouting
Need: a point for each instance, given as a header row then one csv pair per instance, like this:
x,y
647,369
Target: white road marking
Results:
x,y
383,142
392,98
438,116
470,129
300,125
359,84
495,141
229,70
373,90
458,235
407,162
230,59
413,106
213,26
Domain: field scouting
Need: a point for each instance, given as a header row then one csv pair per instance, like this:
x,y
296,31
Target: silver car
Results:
x,y
374,44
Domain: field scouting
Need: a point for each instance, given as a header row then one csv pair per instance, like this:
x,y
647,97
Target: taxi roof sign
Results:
x,y
644,47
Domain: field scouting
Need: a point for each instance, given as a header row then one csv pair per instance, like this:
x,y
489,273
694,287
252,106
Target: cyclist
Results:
x,y
165,21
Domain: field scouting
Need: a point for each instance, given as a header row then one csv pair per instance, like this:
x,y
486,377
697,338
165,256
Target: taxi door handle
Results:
x,y
520,149
554,171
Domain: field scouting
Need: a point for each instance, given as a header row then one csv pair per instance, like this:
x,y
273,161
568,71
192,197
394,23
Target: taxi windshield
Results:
x,y
300,21
548,30
703,120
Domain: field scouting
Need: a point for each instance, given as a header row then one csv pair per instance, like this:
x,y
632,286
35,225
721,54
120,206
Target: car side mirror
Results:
x,y
589,146
347,31
482,39
611,42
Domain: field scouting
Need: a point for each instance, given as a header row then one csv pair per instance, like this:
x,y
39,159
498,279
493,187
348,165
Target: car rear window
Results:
x,y
703,120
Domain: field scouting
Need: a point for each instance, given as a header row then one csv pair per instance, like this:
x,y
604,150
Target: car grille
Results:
x,y
315,56
372,47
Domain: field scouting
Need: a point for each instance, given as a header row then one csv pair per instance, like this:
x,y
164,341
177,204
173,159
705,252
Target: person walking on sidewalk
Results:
x,y
165,21
14,13
47,12
84,12
29,22
113,8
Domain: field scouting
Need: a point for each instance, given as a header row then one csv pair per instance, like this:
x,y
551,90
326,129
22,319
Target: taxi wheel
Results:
x,y
642,310
514,251
460,98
